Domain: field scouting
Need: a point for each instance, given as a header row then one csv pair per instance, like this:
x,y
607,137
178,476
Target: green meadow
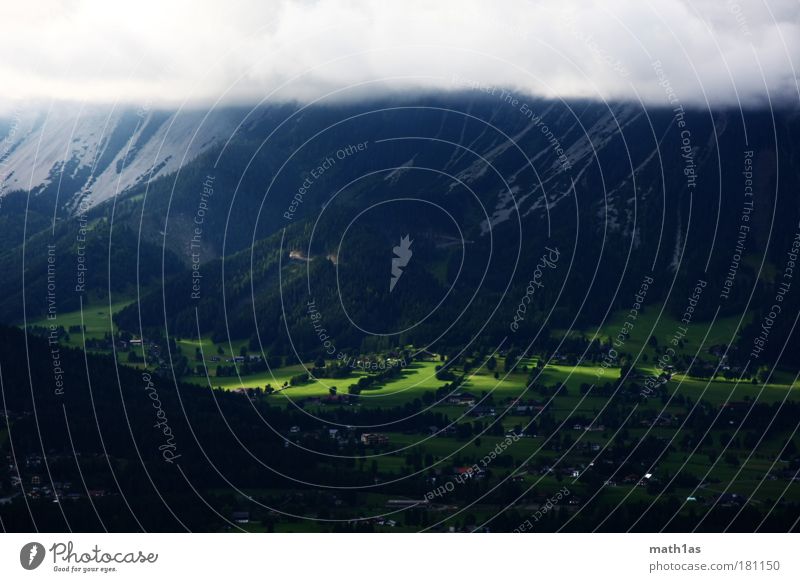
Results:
x,y
96,317
209,348
420,377
663,326
276,378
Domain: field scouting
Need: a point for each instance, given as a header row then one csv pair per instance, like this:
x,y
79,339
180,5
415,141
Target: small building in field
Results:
x,y
374,438
462,399
240,517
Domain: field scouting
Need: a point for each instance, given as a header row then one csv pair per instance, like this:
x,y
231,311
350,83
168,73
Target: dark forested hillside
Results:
x,y
622,192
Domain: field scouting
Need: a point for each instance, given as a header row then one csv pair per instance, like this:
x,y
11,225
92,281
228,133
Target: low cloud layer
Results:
x,y
155,53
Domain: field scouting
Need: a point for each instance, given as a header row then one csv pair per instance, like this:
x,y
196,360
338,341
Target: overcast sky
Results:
x,y
165,52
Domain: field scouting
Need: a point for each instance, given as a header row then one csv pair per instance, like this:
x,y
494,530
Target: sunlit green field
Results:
x,y
663,326
421,376
97,317
415,380
209,348
275,378
717,391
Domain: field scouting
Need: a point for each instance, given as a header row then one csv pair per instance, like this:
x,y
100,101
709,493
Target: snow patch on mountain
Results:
x,y
77,154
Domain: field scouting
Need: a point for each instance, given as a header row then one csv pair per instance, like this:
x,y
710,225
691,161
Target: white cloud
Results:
x,y
247,50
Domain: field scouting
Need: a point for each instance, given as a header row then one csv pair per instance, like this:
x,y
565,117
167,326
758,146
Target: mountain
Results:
x,y
90,154
307,203
621,191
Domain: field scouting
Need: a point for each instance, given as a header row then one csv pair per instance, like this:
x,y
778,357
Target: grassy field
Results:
x,y
209,348
718,391
97,317
648,322
415,380
715,391
421,376
275,378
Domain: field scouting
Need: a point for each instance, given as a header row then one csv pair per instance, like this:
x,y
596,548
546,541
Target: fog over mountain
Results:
x,y
245,51
110,97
